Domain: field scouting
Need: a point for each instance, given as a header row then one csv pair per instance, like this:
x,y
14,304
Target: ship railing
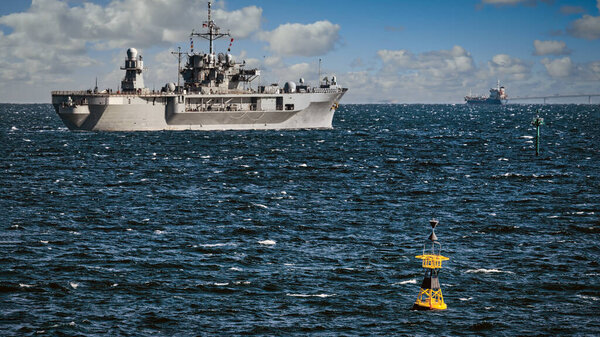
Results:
x,y
328,90
162,93
111,93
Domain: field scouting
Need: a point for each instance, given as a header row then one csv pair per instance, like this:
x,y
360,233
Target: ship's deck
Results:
x,y
188,94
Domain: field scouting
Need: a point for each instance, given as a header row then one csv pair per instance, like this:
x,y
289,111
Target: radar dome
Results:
x,y
170,87
132,53
289,87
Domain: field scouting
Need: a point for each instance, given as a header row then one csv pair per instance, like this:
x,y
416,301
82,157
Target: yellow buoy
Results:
x,y
430,297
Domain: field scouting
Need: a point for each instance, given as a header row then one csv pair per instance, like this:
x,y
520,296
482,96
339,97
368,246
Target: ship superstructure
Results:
x,y
497,96
216,94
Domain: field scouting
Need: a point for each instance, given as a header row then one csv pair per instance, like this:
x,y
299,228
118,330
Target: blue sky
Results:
x,y
383,51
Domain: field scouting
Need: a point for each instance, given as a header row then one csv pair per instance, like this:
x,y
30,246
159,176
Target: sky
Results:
x,y
383,51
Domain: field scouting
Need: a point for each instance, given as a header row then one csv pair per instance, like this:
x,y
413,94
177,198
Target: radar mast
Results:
x,y
212,32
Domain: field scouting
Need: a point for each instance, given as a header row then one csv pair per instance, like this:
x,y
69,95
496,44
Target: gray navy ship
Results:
x,y
497,96
216,95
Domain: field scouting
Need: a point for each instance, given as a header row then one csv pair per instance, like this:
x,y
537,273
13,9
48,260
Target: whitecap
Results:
x,y
260,205
552,216
241,282
44,241
221,284
413,281
14,128
585,297
158,231
303,165
267,242
526,137
488,271
310,295
235,269
23,285
502,159
216,244
466,299
129,229
74,285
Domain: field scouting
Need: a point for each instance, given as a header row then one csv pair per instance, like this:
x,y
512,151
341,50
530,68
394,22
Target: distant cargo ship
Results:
x,y
497,97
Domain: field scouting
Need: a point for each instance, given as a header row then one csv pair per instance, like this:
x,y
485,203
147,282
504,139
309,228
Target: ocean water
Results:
x,y
306,232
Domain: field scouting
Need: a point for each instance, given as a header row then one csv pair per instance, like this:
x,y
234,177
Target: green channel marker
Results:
x,y
537,122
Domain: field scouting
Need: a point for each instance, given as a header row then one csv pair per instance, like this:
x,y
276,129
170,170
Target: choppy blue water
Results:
x,y
310,232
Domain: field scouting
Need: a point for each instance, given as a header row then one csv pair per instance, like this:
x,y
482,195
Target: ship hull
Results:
x,y
118,112
486,101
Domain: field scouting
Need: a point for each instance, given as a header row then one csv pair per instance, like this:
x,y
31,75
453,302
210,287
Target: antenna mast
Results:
x,y
319,78
178,53
213,31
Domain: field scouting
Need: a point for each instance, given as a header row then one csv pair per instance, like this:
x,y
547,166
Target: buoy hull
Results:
x,y
424,306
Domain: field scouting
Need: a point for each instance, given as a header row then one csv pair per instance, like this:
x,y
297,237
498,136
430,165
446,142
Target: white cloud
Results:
x,y
53,37
558,68
505,66
294,39
550,48
434,76
569,72
438,76
439,64
587,27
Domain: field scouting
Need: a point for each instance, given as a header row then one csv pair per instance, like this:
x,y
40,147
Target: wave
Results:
x,y
488,271
217,244
585,297
310,295
413,281
267,242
